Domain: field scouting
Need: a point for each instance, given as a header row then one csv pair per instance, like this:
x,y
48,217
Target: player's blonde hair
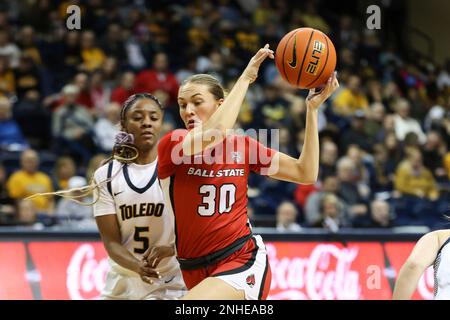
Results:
x,y
214,86
124,151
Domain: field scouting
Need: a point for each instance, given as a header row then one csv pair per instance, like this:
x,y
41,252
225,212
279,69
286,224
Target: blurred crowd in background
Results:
x,y
384,159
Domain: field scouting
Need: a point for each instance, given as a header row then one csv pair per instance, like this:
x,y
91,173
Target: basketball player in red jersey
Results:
x,y
204,172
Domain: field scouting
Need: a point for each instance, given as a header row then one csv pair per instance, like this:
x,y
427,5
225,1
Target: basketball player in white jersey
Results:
x,y
136,229
432,249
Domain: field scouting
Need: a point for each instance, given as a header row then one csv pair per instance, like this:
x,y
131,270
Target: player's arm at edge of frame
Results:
x,y
422,256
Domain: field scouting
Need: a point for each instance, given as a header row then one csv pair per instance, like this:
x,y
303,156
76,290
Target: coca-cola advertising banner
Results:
x,y
300,270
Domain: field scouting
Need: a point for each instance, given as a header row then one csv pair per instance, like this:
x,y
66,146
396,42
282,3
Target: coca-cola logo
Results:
x,y
326,274
85,275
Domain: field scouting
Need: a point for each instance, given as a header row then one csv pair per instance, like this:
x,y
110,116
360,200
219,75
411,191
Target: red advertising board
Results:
x,y
13,272
300,270
70,270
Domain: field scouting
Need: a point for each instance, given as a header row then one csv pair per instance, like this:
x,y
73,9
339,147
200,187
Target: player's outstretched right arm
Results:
x,y
422,256
224,118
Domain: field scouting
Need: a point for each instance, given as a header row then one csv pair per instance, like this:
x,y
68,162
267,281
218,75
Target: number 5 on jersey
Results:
x,y
226,195
138,237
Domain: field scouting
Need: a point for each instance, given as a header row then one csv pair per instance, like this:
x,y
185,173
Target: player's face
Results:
x,y
197,104
144,120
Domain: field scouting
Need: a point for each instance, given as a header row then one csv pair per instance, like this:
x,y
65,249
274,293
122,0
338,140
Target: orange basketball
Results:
x,y
305,58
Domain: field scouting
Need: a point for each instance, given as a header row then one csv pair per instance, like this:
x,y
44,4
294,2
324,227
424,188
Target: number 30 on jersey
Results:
x,y
225,194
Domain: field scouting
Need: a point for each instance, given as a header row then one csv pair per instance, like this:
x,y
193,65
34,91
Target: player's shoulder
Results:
x,y
172,137
102,172
435,238
443,235
175,134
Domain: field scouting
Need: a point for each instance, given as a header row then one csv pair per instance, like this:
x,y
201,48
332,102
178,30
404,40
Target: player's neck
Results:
x,y
147,156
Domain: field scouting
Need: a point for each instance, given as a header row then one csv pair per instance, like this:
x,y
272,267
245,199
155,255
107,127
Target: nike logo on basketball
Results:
x,y
293,63
167,281
116,193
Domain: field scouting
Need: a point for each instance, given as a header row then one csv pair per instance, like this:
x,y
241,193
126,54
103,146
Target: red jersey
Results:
x,y
208,192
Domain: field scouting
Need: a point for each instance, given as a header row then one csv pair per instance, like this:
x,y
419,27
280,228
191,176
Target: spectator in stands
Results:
x,y
247,40
433,155
73,127
285,144
65,168
272,111
328,158
7,204
125,89
190,69
113,43
404,123
375,97
96,162
106,128
447,164
381,215
393,147
11,137
350,99
7,81
388,128
413,179
331,213
312,19
100,95
287,217
357,134
361,171
348,34
443,80
27,214
158,78
28,181
303,192
374,121
34,120
435,118
349,190
74,214
84,99
110,73
26,76
93,56
71,53
9,49
411,141
330,185
28,44
382,176
418,104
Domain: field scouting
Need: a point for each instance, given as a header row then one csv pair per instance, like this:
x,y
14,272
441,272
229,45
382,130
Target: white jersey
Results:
x,y
135,197
442,273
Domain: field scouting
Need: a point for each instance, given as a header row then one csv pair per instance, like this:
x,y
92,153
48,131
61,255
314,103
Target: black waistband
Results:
x,y
201,262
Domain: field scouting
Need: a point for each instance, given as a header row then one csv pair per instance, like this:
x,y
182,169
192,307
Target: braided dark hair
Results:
x,y
124,149
132,100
